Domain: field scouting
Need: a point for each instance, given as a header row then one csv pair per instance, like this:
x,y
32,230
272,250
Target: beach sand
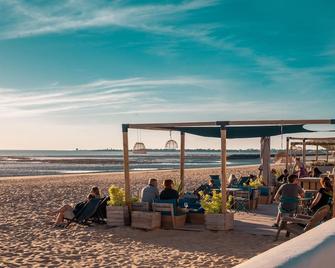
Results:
x,y
28,238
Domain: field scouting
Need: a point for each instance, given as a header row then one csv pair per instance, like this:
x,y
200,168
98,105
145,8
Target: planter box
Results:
x,y
145,220
117,215
219,222
195,218
264,200
167,221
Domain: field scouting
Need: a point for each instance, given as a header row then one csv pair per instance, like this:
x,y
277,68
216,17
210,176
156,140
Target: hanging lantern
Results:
x,y
171,144
139,148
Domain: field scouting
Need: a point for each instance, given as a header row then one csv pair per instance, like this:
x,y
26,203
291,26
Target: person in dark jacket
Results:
x,y
324,196
168,193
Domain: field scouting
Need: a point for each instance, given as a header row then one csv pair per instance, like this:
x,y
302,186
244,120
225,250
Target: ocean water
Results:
x,y
48,162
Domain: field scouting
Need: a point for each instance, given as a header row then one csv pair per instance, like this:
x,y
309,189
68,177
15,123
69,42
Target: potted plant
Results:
x,y
117,211
214,218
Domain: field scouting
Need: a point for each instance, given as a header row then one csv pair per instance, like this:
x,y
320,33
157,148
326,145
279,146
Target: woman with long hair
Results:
x,y
324,196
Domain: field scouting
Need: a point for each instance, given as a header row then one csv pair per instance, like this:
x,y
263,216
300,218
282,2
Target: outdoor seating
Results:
x,y
302,223
170,217
143,218
242,201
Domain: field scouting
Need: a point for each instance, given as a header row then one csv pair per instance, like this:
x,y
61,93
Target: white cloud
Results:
x,y
115,96
30,20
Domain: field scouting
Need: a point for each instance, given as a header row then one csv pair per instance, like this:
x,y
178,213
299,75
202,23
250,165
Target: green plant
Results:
x,y
178,186
256,183
135,199
213,204
116,195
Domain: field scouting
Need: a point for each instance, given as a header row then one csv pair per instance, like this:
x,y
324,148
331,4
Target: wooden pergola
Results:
x,y
218,129
327,143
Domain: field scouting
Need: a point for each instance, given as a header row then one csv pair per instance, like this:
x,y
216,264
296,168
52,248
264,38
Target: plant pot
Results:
x,y
195,218
179,221
145,220
219,222
117,216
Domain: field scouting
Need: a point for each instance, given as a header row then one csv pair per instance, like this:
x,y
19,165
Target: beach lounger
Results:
x,y
86,213
302,223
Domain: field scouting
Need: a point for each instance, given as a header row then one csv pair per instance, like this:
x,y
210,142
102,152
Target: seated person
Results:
x,y
69,212
168,193
232,180
288,194
283,177
150,192
316,172
206,188
324,196
273,177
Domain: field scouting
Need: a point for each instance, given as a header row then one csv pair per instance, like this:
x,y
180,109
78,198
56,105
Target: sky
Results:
x,y
71,72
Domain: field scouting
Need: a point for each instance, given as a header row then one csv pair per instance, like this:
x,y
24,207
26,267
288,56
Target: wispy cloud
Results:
x,y
114,96
27,19
150,97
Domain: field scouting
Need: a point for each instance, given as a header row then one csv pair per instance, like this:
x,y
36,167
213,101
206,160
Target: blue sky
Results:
x,y
72,71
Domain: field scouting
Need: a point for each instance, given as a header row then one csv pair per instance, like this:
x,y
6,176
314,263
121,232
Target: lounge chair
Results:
x,y
302,223
86,213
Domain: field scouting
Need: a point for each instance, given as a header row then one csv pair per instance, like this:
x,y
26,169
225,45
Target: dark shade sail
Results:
x,y
244,132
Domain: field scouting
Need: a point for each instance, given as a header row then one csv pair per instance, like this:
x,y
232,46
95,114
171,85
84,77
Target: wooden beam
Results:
x,y
279,122
230,123
287,151
224,169
126,165
182,160
304,152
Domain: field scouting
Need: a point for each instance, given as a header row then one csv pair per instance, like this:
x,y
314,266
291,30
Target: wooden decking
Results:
x,y
258,223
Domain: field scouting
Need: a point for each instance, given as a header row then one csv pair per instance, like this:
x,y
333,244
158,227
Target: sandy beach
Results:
x,y
28,237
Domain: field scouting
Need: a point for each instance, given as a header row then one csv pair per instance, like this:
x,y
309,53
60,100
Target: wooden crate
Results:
x,y
117,215
167,221
219,222
264,200
195,218
145,220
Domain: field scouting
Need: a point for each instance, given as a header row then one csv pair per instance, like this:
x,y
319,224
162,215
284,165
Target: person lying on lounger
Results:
x,y
68,212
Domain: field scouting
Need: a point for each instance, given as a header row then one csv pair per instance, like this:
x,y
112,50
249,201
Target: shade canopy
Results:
x,y
239,132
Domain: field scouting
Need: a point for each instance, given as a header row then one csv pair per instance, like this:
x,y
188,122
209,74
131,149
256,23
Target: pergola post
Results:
x,y
304,152
265,159
126,164
182,160
287,151
317,153
224,168
333,192
327,155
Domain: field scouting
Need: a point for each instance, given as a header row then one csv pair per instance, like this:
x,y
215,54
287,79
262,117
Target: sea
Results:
x,y
52,162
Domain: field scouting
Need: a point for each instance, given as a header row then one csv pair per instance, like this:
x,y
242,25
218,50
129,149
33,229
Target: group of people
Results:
x,y
290,191
151,193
